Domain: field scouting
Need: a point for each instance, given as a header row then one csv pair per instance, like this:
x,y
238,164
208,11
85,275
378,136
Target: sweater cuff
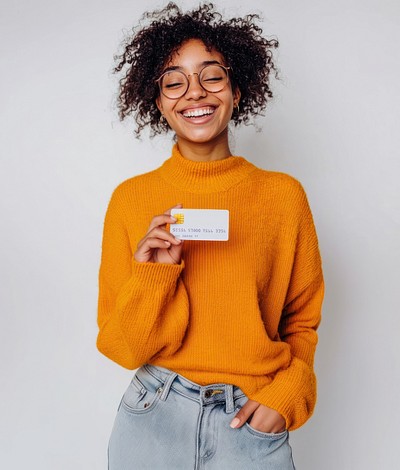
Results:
x,y
156,275
292,393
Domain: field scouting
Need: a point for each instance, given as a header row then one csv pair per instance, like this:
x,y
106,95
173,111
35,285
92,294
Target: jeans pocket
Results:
x,y
272,436
142,394
255,432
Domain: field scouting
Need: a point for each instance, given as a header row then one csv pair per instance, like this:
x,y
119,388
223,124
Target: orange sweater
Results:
x,y
244,311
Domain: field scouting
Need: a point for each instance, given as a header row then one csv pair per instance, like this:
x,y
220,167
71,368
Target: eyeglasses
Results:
x,y
174,83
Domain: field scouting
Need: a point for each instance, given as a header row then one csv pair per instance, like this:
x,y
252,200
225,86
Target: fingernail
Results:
x,y
173,218
234,422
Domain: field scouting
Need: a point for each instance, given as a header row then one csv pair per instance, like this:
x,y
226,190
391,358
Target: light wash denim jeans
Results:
x,y
167,422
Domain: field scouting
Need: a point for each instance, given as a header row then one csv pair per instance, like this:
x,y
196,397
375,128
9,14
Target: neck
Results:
x,y
217,149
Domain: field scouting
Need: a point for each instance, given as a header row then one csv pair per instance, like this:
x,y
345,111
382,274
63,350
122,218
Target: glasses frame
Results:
x,y
158,81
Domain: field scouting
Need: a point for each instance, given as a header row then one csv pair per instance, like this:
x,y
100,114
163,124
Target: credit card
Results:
x,y
200,224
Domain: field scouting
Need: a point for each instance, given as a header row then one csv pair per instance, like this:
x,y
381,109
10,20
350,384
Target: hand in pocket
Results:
x,y
263,418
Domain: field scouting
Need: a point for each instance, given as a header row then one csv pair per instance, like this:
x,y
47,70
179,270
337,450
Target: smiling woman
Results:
x,y
221,328
197,99
160,34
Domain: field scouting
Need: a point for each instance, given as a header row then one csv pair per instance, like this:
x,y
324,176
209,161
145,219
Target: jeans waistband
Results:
x,y
204,394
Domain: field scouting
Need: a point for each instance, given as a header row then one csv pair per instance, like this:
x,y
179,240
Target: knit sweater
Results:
x,y
243,311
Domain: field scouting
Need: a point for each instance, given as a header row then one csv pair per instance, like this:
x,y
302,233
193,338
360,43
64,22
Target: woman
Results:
x,y
223,333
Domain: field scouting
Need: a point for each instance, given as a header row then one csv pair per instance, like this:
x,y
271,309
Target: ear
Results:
x,y
159,105
236,96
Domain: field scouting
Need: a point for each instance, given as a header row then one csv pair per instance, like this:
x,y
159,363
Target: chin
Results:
x,y
201,137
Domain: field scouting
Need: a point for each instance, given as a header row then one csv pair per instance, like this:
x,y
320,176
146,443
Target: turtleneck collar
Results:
x,y
204,177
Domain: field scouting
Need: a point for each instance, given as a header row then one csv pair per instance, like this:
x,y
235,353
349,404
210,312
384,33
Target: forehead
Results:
x,y
193,52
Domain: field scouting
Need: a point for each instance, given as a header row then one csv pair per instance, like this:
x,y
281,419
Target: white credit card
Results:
x,y
200,224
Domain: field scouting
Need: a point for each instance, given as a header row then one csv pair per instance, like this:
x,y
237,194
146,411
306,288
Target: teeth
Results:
x,y
198,112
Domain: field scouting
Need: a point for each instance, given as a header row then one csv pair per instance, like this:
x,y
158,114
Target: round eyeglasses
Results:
x,y
174,83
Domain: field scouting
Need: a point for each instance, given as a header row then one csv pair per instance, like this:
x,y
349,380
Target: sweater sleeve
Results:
x,y
143,308
293,390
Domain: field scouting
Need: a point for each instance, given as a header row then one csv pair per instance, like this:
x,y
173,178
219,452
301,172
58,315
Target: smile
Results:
x,y
199,112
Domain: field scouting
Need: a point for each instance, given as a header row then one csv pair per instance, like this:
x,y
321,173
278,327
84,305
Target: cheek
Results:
x,y
163,105
229,105
168,107
229,100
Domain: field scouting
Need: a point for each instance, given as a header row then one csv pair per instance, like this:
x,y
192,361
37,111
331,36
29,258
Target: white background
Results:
x,y
334,125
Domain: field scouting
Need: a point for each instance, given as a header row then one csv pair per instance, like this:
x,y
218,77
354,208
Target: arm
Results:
x,y
142,306
289,399
292,392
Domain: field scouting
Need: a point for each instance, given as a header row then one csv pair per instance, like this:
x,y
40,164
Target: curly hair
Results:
x,y
160,34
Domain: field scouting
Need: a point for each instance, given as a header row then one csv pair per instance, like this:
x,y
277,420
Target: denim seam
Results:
x,y
197,461
141,411
157,378
179,392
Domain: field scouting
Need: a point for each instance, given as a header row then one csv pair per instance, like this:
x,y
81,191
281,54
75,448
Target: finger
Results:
x,y
144,253
177,206
175,251
244,413
171,255
162,235
266,419
165,240
161,221
266,426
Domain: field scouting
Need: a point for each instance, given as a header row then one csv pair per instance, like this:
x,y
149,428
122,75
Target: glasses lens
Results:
x,y
213,78
174,84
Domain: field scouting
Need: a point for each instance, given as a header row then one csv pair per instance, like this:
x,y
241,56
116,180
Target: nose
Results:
x,y
195,90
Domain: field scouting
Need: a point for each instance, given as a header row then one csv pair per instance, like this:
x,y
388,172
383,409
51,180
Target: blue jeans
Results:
x,y
167,422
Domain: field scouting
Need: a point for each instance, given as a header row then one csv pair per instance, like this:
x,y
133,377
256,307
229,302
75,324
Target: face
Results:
x,y
198,116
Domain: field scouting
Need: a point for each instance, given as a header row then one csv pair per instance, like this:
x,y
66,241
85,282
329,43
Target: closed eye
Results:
x,y
174,85
213,79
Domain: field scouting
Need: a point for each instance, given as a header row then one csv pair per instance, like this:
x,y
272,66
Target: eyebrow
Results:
x,y
206,62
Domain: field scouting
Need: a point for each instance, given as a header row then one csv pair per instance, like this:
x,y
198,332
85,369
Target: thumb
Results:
x,y
244,413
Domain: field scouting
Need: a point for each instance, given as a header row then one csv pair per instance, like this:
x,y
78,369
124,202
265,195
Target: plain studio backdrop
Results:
x,y
334,125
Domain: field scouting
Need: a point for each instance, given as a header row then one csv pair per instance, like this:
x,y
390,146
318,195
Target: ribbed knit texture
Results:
x,y
244,311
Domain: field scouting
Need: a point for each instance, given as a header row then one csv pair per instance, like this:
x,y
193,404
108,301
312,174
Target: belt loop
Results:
x,y
167,385
229,406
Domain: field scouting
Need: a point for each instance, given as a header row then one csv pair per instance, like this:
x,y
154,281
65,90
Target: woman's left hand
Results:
x,y
264,419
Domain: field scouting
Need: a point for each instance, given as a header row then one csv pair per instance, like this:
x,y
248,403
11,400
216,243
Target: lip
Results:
x,y
197,106
199,119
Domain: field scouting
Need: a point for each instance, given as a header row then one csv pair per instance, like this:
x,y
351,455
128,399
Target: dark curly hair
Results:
x,y
160,33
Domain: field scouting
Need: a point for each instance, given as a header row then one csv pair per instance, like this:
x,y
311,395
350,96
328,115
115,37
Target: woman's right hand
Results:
x,y
159,245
